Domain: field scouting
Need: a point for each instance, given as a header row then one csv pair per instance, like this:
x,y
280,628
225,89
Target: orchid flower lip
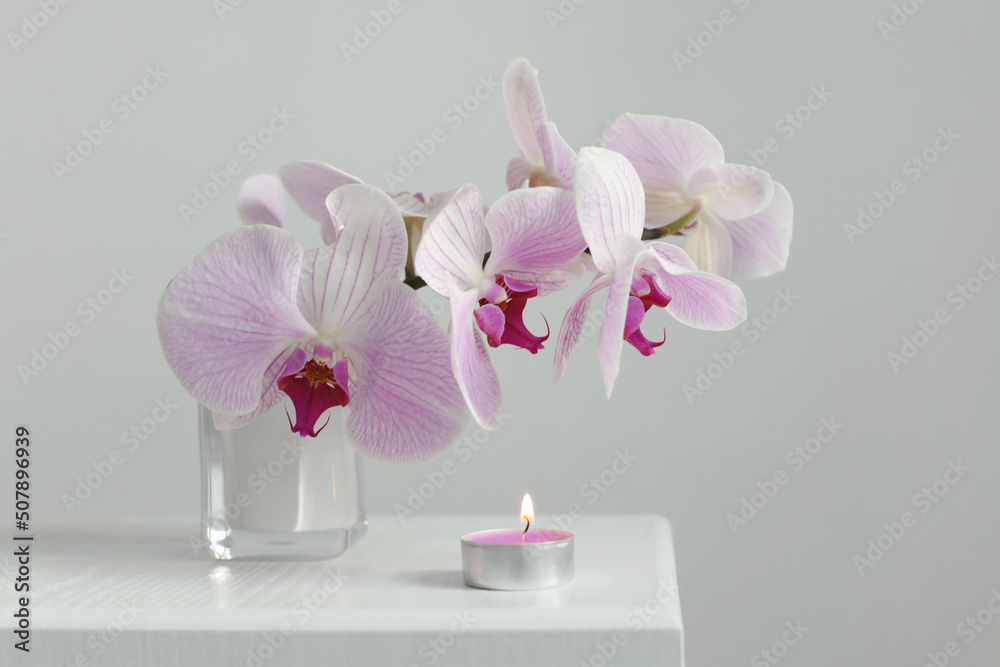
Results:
x,y
313,390
501,316
302,433
644,294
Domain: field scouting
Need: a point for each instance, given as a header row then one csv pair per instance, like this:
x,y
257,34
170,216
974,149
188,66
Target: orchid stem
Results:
x,y
673,227
416,282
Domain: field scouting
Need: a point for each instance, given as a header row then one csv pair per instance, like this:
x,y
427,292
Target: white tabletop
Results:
x,y
142,594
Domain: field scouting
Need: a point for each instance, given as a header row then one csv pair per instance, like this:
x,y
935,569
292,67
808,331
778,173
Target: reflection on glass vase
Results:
x,y
269,493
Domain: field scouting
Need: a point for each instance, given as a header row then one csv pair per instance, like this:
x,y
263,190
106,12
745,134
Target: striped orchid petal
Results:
x,y
407,406
453,243
609,202
337,281
226,318
572,325
525,108
471,364
533,232
546,159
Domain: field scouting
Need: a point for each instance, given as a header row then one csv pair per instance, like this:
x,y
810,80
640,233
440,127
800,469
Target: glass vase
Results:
x,y
269,493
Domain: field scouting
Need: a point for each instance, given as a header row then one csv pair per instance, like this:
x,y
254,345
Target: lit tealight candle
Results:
x,y
516,559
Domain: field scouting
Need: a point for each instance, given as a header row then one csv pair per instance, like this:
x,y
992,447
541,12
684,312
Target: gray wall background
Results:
x,y
856,296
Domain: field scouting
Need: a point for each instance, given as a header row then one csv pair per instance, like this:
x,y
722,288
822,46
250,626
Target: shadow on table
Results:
x,y
434,578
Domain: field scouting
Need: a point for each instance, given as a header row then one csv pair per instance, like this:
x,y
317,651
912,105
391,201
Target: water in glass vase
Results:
x,y
269,493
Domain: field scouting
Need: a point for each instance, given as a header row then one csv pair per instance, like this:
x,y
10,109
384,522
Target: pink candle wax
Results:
x,y
517,536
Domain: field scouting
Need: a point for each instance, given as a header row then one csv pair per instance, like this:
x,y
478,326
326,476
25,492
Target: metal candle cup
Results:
x,y
516,560
512,560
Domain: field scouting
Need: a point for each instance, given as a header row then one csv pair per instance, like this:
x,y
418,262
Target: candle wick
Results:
x,y
527,525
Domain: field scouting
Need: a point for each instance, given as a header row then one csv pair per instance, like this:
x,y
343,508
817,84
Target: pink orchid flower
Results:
x,y
254,319
546,159
534,243
611,210
732,219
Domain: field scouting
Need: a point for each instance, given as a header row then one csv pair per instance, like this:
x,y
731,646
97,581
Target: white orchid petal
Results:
x,y
409,204
709,245
230,313
261,201
553,281
270,396
761,243
533,231
558,157
572,325
681,145
733,191
310,183
471,362
338,281
525,107
698,299
609,202
610,339
406,406
453,243
519,173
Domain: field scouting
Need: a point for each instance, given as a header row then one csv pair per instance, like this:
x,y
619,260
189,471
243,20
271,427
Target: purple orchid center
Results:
x,y
313,390
644,295
501,315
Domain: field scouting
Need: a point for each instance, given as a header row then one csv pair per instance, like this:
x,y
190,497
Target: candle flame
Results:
x,y
527,509
527,513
